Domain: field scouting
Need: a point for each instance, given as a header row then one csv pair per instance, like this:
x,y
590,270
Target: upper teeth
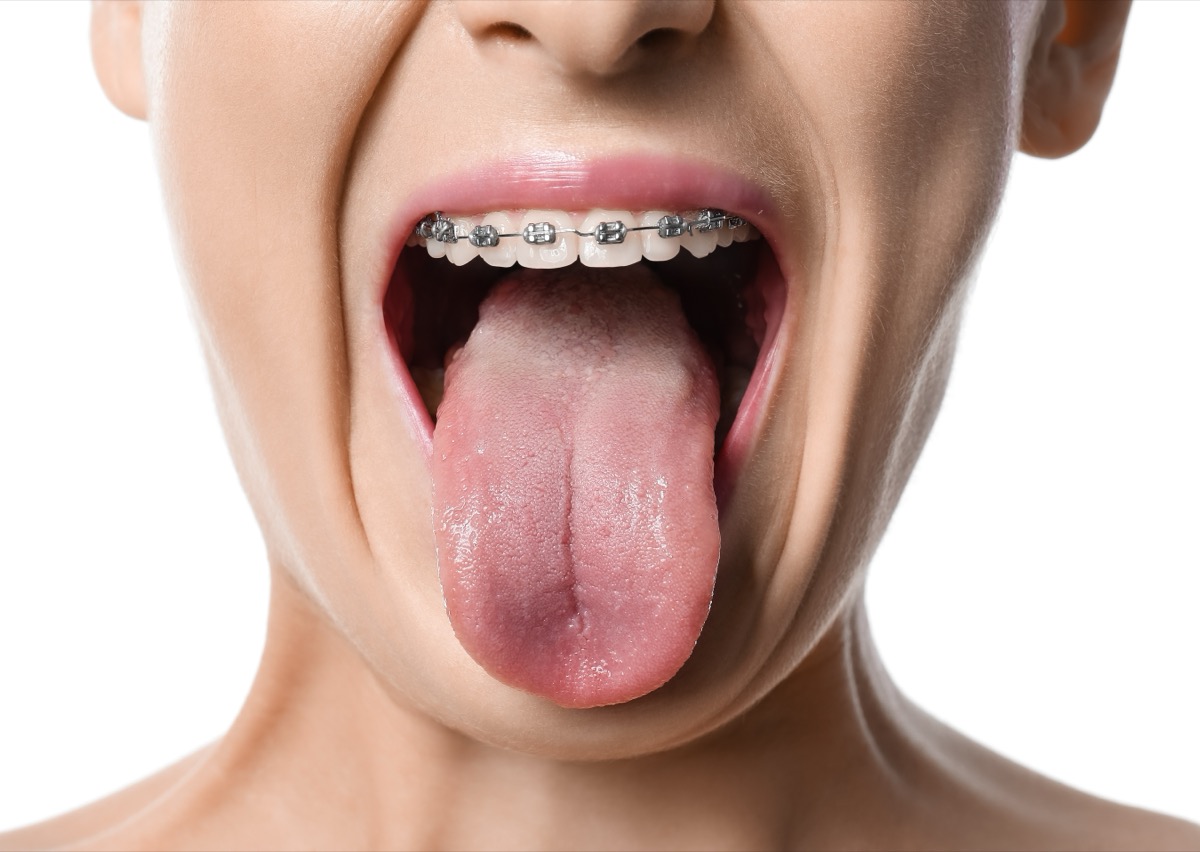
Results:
x,y
543,239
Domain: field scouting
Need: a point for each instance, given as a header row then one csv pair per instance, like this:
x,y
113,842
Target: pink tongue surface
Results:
x,y
574,513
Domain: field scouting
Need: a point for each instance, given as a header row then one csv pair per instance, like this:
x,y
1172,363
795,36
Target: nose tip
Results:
x,y
589,37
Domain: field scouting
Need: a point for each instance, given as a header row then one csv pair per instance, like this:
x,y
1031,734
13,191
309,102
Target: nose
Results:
x,y
588,37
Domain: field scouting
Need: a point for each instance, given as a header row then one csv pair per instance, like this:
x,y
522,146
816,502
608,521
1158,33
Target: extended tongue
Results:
x,y
574,513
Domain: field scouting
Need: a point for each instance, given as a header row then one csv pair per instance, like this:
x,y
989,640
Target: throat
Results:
x,y
836,719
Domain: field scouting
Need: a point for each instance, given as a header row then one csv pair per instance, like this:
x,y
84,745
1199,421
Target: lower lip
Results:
x,y
740,438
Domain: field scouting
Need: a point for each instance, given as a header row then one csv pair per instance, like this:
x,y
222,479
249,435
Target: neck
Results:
x,y
322,748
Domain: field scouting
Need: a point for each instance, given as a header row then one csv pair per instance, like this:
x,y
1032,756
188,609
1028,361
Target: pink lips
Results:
x,y
555,180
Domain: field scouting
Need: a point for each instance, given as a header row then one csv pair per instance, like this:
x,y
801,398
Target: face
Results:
x,y
300,145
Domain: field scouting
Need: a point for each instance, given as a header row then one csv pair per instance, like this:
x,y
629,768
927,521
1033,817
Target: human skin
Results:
x,y
289,135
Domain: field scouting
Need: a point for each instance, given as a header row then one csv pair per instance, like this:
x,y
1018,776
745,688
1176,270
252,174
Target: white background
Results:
x,y
1038,588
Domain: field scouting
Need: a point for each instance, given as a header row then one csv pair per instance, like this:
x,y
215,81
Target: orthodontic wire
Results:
x,y
436,226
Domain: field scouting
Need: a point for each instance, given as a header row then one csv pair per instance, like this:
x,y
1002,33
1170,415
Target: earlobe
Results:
x,y
117,54
1070,73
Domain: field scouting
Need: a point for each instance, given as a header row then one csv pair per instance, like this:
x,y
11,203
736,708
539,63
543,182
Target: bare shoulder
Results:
x,y
77,826
1147,830
1015,807
1101,824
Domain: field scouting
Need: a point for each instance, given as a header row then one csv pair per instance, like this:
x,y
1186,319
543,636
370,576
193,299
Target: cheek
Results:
x,y
914,117
912,111
914,102
924,139
252,112
915,111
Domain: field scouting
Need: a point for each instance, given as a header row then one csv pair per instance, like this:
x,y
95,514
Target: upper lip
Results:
x,y
559,181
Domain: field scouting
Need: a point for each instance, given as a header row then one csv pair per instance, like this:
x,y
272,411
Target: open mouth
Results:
x,y
586,376
433,301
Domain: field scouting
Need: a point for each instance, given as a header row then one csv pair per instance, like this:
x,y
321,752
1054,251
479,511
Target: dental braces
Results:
x,y
436,226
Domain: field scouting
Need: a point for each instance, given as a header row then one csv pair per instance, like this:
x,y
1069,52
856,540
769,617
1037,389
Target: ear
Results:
x,y
1070,73
117,54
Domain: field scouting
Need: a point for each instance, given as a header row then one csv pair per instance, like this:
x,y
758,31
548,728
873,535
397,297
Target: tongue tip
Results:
x,y
586,677
604,695
607,696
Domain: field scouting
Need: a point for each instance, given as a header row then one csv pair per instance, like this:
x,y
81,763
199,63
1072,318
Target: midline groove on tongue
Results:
x,y
574,511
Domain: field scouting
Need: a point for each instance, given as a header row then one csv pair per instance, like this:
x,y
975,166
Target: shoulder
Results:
x,y
1025,809
1101,824
1146,830
79,826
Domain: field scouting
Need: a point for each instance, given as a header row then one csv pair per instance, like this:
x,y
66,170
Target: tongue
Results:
x,y
574,513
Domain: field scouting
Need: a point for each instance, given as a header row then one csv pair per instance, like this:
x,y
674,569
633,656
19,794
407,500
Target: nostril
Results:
x,y
658,38
586,38
508,31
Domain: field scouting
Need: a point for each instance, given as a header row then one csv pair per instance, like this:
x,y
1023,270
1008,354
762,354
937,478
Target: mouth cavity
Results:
x,y
709,258
579,403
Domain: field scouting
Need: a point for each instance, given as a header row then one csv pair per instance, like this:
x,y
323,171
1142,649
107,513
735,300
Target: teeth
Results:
x,y
554,242
548,239
461,252
436,248
504,253
655,247
700,243
613,246
745,234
